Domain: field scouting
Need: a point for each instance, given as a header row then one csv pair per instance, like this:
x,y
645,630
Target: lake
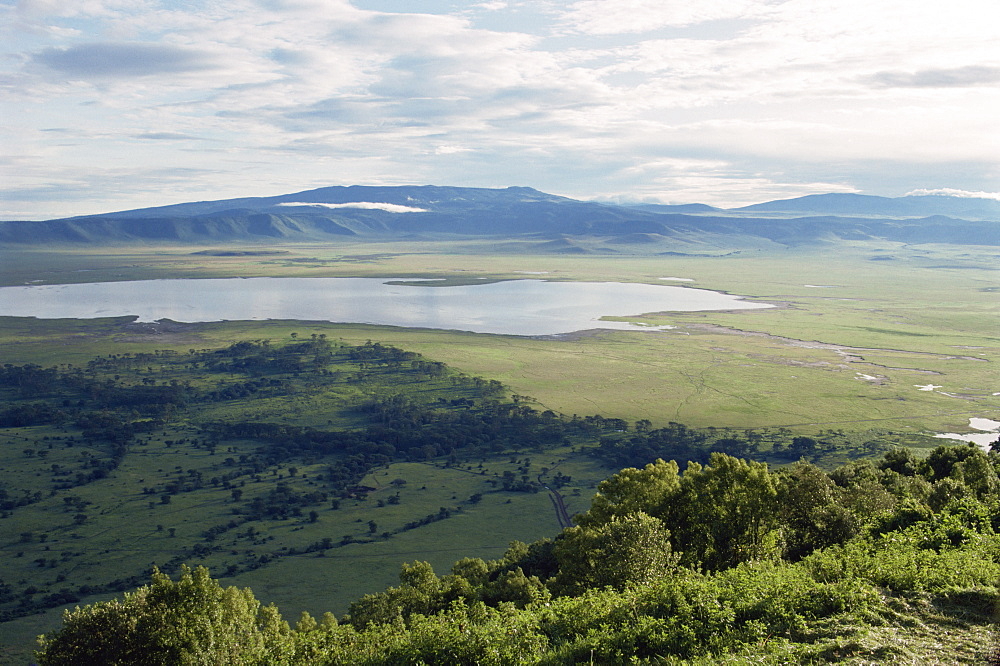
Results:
x,y
513,307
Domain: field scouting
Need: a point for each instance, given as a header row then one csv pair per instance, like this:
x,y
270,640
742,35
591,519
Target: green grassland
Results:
x,y
926,316
481,530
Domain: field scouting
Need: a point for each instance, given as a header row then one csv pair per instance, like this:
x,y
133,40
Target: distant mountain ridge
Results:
x,y
866,205
560,224
411,195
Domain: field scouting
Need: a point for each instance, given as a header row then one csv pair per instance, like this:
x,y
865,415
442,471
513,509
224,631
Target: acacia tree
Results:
x,y
192,620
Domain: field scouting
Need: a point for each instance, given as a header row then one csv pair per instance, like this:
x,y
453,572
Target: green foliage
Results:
x,y
466,636
422,592
631,549
727,513
811,510
680,616
796,572
649,490
719,514
192,620
901,461
941,462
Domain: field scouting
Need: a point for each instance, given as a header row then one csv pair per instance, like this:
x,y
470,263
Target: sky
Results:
x,y
118,104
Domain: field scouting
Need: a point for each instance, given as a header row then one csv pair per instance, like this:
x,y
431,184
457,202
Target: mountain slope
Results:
x,y
865,205
415,212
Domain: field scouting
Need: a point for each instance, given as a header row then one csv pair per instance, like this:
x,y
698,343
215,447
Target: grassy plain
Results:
x,y
858,328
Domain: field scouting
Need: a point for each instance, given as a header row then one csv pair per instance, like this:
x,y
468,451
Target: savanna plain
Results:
x,y
869,347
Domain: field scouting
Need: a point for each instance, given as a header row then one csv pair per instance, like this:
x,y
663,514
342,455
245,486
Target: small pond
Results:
x,y
513,307
989,431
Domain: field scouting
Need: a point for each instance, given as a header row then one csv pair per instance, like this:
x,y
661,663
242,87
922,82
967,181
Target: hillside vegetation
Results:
x,y
895,561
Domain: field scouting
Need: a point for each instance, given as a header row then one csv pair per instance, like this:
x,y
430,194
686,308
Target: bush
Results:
x,y
189,621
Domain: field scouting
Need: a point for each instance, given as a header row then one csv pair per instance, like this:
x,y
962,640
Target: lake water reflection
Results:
x,y
516,307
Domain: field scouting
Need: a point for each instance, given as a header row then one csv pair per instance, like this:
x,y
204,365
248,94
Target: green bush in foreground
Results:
x,y
189,621
768,585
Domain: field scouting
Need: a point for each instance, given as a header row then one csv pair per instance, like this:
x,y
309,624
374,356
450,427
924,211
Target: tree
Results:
x,y
978,475
419,591
512,587
727,513
810,511
649,490
900,460
192,620
945,491
628,549
473,569
422,592
940,462
802,446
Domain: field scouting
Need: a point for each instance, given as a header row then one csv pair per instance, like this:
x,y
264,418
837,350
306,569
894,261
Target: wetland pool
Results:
x,y
988,429
512,307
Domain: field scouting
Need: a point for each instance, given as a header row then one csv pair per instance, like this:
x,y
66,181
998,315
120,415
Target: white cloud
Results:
x,y
722,189
91,8
603,17
451,150
956,77
366,205
951,192
493,5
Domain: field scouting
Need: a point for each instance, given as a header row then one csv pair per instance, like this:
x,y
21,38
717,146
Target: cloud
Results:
x,y
85,8
451,150
367,205
165,136
123,60
715,182
957,77
951,192
723,101
71,190
607,17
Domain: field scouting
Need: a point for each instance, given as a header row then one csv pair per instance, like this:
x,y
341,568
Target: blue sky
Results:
x,y
116,104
